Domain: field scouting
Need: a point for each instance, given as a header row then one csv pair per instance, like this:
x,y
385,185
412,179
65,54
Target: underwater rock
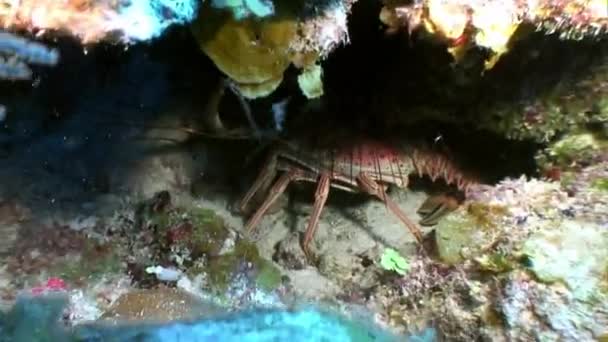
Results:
x,y
201,233
468,232
180,234
533,310
571,152
243,259
12,215
40,248
573,147
289,254
338,266
573,253
157,305
535,267
96,260
195,241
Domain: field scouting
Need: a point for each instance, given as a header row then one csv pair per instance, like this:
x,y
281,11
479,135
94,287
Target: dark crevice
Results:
x,y
368,83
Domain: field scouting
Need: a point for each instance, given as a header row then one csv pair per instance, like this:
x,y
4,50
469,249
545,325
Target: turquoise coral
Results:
x,y
242,9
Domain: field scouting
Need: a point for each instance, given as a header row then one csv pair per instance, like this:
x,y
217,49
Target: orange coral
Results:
x,y
491,24
255,52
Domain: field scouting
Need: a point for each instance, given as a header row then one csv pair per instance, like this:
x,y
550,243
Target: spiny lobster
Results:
x,y
367,166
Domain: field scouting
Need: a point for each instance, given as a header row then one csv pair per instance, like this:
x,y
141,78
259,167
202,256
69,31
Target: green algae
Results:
x,y
268,277
498,262
199,231
569,152
574,147
485,215
391,260
209,231
567,179
197,236
223,268
152,213
95,262
600,184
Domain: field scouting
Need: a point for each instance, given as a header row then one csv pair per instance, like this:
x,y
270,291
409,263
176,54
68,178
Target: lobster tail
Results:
x,y
437,165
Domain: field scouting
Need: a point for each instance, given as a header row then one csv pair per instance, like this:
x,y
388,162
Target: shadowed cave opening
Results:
x,y
111,95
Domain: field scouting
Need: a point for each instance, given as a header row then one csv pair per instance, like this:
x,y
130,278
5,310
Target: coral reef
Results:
x,y
521,260
539,274
93,21
491,24
542,86
192,242
566,156
576,100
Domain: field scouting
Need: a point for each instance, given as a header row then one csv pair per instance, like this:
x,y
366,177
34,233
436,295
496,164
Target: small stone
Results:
x,y
158,305
465,233
337,266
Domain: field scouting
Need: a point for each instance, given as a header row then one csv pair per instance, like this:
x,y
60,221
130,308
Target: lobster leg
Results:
x,y
368,185
320,198
277,189
211,115
268,172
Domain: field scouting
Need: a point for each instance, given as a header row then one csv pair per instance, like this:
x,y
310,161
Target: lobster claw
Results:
x,y
435,208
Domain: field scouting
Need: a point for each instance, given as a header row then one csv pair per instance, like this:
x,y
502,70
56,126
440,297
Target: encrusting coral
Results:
x,y
92,21
255,50
492,24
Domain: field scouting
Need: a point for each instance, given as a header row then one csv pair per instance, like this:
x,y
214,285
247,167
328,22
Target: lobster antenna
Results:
x,y
245,106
